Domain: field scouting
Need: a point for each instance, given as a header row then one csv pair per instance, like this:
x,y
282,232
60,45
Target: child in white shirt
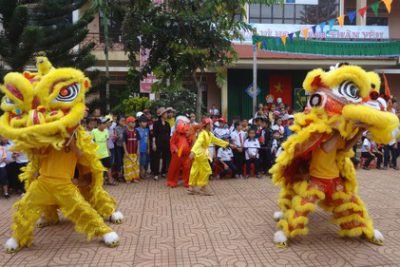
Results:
x,y
225,156
275,148
252,146
3,164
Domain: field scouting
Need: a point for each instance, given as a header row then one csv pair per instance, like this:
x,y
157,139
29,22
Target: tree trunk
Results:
x,y
199,98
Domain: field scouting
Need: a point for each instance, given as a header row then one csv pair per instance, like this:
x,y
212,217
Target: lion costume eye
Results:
x,y
8,101
68,93
349,90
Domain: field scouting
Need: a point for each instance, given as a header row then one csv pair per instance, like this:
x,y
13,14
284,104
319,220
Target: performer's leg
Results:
x,y
284,202
386,155
29,209
351,215
49,217
173,171
80,212
294,221
186,165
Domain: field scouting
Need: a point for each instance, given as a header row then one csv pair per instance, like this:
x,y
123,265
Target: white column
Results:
x,y
224,96
361,21
341,8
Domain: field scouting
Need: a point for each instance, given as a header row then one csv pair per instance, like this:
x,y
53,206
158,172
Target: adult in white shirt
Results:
x,y
391,152
252,146
366,151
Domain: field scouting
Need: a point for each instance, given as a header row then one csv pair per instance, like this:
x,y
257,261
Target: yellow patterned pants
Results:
x,y
347,208
45,193
131,167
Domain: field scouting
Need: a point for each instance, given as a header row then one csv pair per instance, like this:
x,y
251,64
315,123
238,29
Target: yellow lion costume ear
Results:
x,y
18,93
375,81
313,80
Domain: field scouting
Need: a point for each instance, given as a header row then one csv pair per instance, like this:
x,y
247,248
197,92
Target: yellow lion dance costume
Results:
x,y
42,113
315,165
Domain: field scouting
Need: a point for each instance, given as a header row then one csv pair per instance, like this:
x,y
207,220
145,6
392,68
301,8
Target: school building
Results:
x,y
282,73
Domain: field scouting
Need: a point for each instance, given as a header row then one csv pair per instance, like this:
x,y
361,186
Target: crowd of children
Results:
x,y
132,148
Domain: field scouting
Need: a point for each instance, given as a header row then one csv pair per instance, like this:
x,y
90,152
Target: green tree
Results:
x,y
18,38
62,39
185,38
315,14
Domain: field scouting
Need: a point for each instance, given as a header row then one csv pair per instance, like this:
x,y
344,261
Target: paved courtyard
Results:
x,y
166,227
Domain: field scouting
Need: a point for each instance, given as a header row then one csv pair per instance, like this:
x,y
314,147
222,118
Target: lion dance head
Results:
x,y
42,108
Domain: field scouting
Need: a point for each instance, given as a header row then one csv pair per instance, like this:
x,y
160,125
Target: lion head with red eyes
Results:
x,y
44,112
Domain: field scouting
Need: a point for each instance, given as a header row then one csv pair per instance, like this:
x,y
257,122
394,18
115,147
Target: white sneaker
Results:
x,y
155,178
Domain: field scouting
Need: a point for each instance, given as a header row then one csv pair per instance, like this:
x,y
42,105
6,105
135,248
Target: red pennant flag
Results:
x,y
362,11
281,86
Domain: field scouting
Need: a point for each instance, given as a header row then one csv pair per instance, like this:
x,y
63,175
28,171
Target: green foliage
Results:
x,y
184,37
18,38
59,36
182,100
130,106
44,25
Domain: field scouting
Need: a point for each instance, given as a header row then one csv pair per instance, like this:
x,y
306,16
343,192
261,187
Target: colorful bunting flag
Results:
x,y
322,26
375,7
305,33
277,41
290,35
362,11
258,45
297,35
341,20
314,29
265,45
352,16
283,38
331,23
388,4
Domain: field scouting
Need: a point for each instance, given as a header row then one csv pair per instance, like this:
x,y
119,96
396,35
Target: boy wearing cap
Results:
x,y
144,145
131,149
100,137
201,169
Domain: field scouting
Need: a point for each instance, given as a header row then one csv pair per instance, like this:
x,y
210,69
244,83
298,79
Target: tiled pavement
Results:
x,y
166,227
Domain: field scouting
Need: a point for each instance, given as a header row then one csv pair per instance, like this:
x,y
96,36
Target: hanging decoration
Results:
x,y
351,15
341,20
331,22
362,11
305,33
283,38
334,48
388,4
375,8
